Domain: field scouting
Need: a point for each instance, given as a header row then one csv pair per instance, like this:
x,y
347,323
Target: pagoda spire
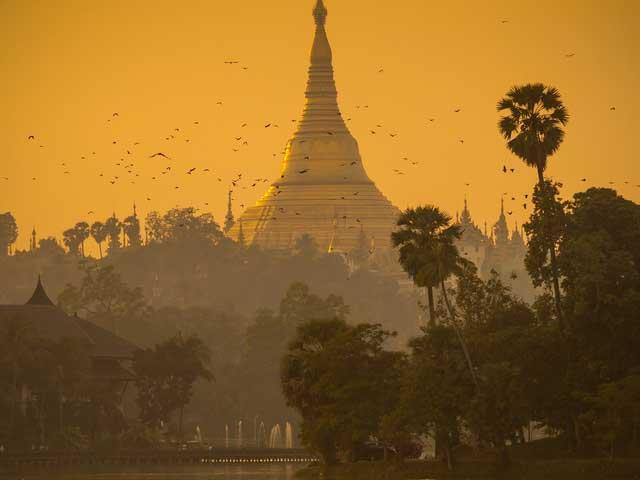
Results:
x,y
229,221
321,113
465,217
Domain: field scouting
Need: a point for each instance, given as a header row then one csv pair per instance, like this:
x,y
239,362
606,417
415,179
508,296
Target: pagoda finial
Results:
x,y
502,204
135,213
229,220
320,13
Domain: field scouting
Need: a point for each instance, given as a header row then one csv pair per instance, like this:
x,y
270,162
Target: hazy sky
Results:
x,y
67,66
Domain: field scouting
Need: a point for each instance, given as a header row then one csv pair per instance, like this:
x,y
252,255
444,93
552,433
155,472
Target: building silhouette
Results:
x,y
499,250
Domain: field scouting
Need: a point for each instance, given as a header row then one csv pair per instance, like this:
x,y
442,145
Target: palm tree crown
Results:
x,y
534,125
425,233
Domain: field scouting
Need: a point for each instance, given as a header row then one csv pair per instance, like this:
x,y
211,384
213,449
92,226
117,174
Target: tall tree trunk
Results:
x,y
458,333
432,310
100,249
554,267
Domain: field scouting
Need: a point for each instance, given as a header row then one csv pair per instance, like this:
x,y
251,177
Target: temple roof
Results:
x,y
49,322
39,296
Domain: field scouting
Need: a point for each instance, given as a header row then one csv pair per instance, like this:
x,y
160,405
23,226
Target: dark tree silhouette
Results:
x,y
416,237
113,228
533,128
99,234
8,232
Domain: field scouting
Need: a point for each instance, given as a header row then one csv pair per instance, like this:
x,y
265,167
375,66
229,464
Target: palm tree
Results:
x,y
71,241
131,227
419,230
82,233
429,255
99,234
533,128
113,228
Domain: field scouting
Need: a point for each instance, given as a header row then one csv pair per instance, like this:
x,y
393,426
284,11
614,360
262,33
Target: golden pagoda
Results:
x,y
323,189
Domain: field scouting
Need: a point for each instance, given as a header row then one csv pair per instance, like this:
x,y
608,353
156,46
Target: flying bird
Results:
x,y
31,137
504,168
303,171
160,154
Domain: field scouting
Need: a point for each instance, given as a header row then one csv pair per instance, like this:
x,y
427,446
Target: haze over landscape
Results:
x,y
70,67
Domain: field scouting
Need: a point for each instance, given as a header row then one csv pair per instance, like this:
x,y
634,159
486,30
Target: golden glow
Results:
x,y
67,67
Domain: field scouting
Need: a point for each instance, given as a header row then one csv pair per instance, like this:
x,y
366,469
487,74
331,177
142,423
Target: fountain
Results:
x,y
240,434
275,438
262,436
226,436
288,435
198,435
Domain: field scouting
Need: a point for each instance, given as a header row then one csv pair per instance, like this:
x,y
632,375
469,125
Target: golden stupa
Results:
x,y
323,189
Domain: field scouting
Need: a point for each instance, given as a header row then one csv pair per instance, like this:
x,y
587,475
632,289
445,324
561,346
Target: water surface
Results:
x,y
216,472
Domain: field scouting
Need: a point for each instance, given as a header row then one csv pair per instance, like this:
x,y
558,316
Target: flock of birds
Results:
x,y
166,166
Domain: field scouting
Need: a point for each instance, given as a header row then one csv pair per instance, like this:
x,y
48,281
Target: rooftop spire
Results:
x,y
321,114
320,13
39,296
229,221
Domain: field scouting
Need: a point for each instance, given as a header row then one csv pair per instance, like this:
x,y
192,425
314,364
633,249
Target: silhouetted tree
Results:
x,y
131,227
418,231
165,377
533,128
82,233
545,229
342,381
8,232
71,240
49,247
183,224
99,234
103,297
113,228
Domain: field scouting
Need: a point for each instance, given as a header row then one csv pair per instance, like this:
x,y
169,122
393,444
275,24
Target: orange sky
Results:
x,y
66,67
